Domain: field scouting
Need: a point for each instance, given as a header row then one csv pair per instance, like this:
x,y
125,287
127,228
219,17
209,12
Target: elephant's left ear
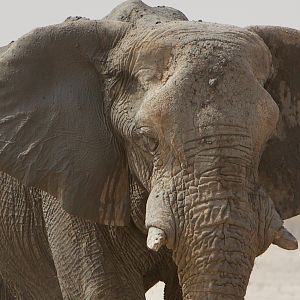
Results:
x,y
280,164
55,132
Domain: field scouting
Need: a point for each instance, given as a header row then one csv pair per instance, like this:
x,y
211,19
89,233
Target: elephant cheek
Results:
x,y
159,220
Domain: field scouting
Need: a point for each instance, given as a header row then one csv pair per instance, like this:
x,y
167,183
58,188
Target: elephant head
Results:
x,y
202,118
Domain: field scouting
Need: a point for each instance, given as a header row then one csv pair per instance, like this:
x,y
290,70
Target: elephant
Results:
x,y
154,148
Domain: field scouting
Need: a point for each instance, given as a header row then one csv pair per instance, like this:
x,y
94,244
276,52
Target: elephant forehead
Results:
x,y
177,34
179,69
160,47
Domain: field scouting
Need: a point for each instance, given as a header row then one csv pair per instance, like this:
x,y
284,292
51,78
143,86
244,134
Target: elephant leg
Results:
x,y
86,262
26,264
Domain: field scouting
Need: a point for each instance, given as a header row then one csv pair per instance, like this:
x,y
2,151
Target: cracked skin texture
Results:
x,y
145,120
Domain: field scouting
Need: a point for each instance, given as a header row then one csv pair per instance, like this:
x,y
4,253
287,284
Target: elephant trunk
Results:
x,y
215,260
216,219
211,231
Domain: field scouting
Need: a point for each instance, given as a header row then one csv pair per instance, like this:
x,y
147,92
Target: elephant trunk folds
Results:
x,y
216,225
216,252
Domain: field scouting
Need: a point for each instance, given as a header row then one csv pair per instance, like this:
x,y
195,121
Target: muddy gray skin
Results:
x,y
147,128
48,254
26,263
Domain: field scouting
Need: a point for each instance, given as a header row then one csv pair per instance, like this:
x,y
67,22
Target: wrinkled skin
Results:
x,y
165,126
205,195
85,263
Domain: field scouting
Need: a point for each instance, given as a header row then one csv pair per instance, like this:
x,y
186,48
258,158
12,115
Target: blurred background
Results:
x,y
276,274
18,17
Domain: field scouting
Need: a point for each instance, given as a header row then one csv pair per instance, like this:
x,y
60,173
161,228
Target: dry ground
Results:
x,y
276,273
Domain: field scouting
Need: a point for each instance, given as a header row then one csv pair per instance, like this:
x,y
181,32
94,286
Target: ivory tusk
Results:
x,y
156,238
284,239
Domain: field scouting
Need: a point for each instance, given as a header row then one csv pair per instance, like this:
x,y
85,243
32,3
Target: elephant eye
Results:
x,y
148,140
150,143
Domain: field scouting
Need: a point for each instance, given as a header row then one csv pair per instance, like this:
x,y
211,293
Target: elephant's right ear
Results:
x,y
280,164
55,132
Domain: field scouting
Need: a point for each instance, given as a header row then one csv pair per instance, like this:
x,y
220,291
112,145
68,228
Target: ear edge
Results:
x,y
279,168
72,201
